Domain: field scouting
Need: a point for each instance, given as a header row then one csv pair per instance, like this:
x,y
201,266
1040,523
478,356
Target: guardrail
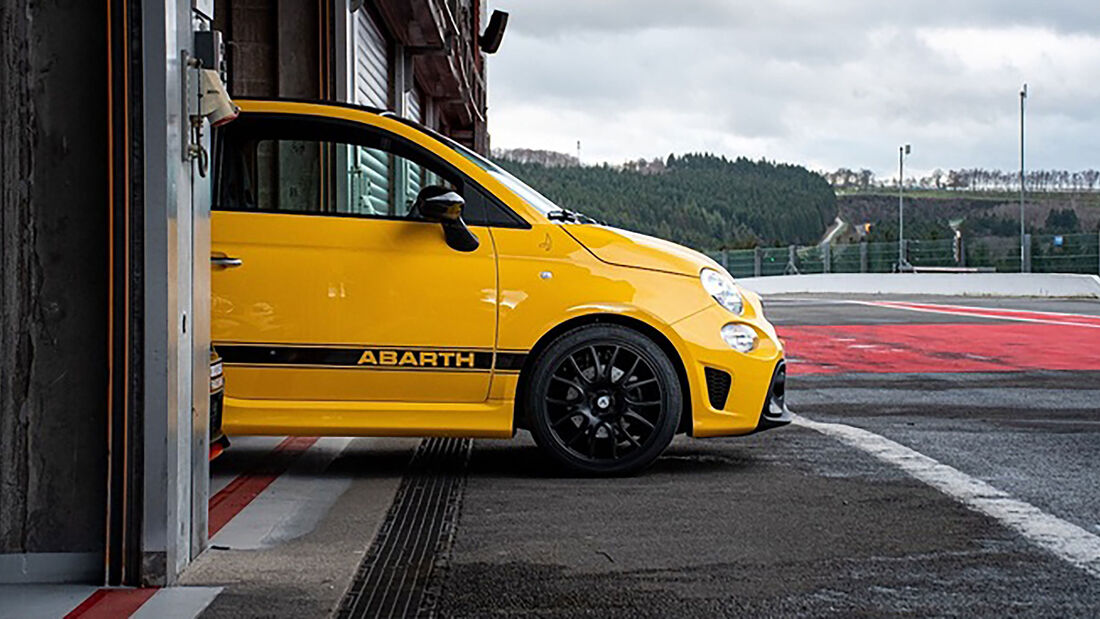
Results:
x,y
1045,253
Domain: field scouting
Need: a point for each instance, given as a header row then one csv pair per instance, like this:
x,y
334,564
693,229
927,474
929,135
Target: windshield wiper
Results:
x,y
571,216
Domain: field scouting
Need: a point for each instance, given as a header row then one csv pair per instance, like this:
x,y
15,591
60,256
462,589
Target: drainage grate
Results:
x,y
400,576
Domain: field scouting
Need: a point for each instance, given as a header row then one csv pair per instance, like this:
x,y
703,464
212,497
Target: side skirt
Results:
x,y
490,419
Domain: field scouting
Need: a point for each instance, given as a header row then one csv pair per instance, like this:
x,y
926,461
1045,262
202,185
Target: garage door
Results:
x,y
369,178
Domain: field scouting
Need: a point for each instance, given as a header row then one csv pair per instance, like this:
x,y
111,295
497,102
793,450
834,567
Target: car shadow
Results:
x,y
519,459
358,459
705,457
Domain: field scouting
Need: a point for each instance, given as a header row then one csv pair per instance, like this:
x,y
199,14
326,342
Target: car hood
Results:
x,y
630,249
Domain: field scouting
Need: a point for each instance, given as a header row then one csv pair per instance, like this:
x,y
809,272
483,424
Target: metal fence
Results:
x,y
1044,253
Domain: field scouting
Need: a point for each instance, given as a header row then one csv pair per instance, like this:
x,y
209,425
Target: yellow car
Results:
x,y
218,440
374,278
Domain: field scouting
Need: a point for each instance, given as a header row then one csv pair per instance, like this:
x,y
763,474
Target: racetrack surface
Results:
x,y
996,511
794,522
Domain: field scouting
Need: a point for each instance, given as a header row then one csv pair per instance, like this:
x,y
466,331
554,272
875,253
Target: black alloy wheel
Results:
x,y
603,399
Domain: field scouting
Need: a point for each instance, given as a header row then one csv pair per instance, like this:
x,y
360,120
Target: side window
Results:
x,y
287,174
289,164
286,165
384,184
368,181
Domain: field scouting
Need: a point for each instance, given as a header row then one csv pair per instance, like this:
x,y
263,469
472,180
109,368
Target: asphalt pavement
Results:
x,y
792,522
1003,394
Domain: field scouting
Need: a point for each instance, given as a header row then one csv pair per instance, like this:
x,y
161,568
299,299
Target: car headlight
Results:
x,y
741,338
721,287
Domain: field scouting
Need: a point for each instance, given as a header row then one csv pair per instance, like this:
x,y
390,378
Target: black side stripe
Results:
x,y
380,357
510,361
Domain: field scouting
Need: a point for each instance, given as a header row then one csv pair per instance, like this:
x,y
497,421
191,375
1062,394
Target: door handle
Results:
x,y
225,262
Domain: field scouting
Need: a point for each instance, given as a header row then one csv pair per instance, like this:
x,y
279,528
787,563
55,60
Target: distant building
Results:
x,y
419,58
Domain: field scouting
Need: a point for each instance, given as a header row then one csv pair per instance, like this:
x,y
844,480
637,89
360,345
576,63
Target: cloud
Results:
x,y
825,84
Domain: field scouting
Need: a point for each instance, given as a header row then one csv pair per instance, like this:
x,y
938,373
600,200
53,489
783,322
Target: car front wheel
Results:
x,y
603,400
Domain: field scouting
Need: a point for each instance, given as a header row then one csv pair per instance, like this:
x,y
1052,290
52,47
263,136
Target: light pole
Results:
x,y
902,152
1023,250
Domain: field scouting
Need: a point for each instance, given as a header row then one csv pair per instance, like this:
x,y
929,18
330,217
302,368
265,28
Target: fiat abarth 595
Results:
x,y
374,278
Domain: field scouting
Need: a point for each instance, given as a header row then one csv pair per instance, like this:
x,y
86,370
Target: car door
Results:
x,y
325,286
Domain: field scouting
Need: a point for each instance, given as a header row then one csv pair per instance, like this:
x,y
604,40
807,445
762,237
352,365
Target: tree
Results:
x,y
866,179
1062,220
701,200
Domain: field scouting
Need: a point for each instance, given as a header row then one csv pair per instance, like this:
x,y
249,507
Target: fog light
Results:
x,y
741,338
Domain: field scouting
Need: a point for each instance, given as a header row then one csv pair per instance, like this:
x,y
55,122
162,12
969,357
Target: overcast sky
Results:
x,y
823,83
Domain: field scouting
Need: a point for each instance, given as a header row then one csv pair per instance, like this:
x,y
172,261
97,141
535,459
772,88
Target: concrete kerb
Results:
x,y
1055,285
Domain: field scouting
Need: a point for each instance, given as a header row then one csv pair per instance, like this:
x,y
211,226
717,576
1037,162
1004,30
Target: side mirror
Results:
x,y
443,205
439,204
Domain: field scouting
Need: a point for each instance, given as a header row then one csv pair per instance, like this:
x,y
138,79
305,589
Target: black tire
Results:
x,y
603,400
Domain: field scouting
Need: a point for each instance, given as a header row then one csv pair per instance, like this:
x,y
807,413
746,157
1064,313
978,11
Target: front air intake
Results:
x,y
718,387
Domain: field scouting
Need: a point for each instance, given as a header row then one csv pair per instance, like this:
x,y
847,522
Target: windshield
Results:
x,y
537,201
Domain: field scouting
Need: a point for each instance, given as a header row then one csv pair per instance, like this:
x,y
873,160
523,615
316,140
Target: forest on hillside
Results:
x,y
931,215
700,200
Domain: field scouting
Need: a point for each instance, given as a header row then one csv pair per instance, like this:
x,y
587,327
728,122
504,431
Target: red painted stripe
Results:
x,y
987,312
932,348
233,498
112,603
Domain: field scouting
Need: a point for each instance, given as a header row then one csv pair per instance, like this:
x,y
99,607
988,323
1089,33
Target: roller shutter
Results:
x,y
369,178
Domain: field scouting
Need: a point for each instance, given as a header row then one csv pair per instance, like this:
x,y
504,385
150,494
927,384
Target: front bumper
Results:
x,y
755,382
775,412
218,441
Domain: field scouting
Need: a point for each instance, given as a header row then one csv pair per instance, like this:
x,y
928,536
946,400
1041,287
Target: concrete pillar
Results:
x,y
54,307
341,52
1026,266
296,48
400,167
430,113
757,261
863,257
726,258
826,258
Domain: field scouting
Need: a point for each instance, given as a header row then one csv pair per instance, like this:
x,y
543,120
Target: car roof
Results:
x,y
328,102
390,114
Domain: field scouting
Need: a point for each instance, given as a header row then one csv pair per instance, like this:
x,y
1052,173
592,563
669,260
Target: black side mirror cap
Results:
x,y
445,207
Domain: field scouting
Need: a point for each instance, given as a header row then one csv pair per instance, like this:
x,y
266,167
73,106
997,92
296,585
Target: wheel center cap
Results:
x,y
603,401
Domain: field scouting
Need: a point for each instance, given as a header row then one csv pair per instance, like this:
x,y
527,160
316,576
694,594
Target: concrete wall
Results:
x,y
104,338
275,47
53,290
952,284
